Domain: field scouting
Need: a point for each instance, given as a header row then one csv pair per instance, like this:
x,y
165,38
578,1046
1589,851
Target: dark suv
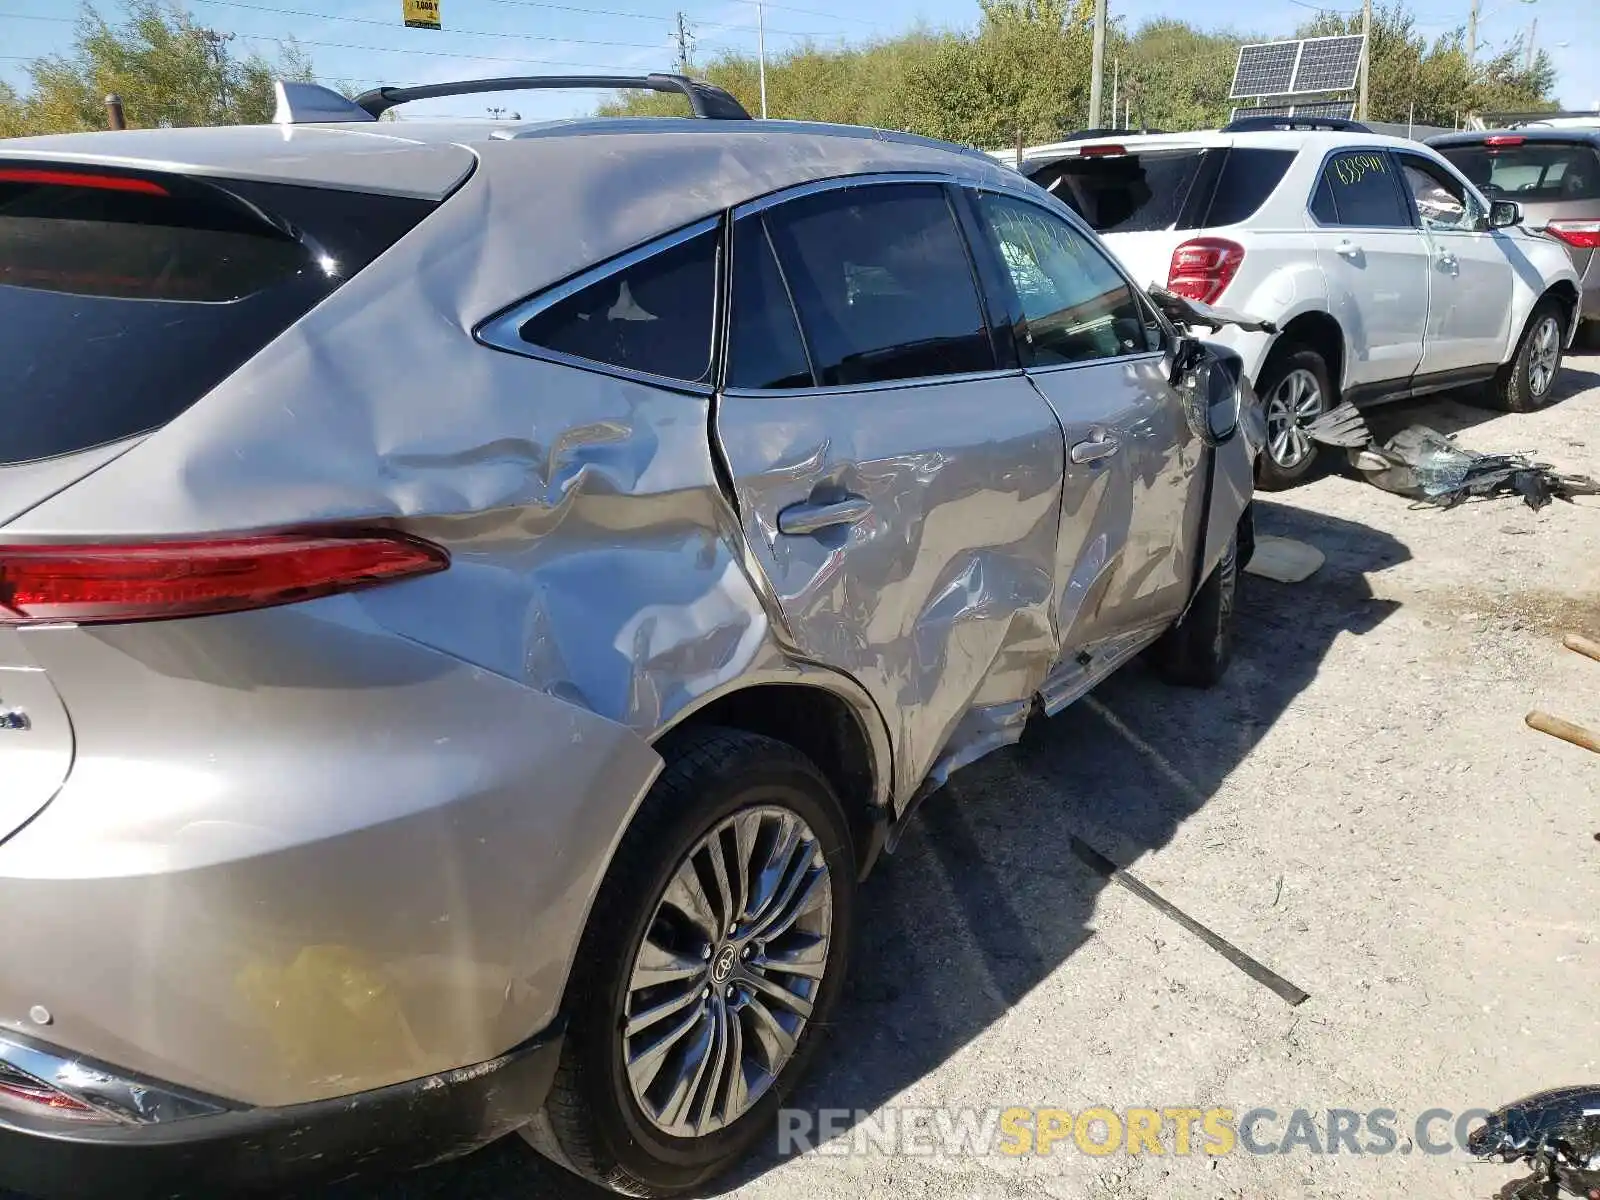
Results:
x,y
1555,175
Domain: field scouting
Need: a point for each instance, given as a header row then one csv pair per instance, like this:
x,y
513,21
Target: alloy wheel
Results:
x,y
1544,356
724,981
1295,403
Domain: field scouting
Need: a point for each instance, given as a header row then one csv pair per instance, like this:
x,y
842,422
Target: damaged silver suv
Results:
x,y
474,601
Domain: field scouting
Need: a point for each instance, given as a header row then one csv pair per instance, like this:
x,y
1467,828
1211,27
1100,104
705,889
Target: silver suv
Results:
x,y
474,602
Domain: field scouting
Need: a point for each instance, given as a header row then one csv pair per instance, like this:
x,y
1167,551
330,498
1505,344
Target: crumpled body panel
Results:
x,y
940,599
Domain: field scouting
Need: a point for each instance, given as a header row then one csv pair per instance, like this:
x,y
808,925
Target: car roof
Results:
x,y
428,159
1279,139
1477,137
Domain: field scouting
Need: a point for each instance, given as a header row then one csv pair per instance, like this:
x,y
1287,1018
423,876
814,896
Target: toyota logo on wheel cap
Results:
x,y
723,965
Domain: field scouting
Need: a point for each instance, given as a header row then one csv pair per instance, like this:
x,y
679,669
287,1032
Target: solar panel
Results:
x,y
1344,109
1322,108
1265,69
1328,64
1325,64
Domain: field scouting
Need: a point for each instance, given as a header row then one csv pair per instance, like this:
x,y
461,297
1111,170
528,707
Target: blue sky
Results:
x,y
364,41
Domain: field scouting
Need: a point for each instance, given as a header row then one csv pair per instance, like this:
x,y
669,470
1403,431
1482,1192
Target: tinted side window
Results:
x,y
1076,306
1249,176
1364,190
883,284
764,346
1322,206
654,315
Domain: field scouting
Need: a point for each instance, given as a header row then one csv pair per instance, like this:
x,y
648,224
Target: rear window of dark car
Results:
x,y
1188,188
125,297
1537,172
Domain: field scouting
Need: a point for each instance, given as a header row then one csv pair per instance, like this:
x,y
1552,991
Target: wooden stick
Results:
x,y
1585,647
1565,730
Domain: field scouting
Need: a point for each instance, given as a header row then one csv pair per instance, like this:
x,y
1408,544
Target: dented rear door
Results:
x,y
899,489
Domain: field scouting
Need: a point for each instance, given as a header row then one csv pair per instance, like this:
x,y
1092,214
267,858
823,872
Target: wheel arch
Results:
x,y
1320,331
1565,293
831,723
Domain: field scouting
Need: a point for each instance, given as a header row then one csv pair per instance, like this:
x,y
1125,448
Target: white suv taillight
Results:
x,y
1582,235
1202,268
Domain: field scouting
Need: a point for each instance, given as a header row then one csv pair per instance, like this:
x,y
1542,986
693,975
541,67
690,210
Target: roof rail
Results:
x,y
304,103
1086,134
1261,124
705,99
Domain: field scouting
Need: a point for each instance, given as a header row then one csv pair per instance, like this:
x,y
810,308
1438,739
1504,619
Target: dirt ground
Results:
x,y
1359,806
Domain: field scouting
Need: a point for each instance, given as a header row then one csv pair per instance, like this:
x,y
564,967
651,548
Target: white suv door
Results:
x,y
1471,283
1376,264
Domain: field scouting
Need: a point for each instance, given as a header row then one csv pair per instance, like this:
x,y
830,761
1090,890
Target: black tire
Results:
x,y
592,1124
1514,388
1196,651
1271,474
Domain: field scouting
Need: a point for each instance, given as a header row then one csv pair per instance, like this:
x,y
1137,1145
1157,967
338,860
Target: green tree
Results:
x,y
1435,84
168,69
1177,76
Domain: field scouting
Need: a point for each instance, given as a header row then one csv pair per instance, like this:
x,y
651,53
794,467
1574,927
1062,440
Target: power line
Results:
x,y
812,12
261,37
531,37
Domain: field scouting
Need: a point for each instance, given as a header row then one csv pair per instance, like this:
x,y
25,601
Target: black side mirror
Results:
x,y
1503,214
1210,390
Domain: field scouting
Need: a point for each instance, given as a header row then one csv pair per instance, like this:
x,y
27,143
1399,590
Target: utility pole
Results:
x,y
1116,83
685,40
1533,36
1097,69
217,46
114,115
1366,52
1472,34
761,53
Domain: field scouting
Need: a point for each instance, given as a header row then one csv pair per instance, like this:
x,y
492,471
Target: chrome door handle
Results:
x,y
1347,249
1094,451
1447,260
804,518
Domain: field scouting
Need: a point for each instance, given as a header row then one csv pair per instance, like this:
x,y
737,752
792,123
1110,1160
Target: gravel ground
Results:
x,y
1358,806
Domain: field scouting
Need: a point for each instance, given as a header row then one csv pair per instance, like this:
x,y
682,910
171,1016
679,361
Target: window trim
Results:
x,y
1394,182
815,187
1461,180
501,332
1059,208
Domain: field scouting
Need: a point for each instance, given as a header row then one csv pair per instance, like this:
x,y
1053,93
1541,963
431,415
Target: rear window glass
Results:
x,y
125,298
1126,193
1537,172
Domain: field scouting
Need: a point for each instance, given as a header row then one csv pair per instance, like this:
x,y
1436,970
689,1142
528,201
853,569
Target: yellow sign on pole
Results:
x,y
421,14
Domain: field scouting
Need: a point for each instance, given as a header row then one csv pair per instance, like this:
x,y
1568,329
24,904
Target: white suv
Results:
x,y
1386,273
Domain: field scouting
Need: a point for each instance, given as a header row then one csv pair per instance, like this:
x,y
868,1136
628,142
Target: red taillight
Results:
x,y
1203,268
1582,235
107,183
1504,139
1101,151
24,1093
36,1097
154,580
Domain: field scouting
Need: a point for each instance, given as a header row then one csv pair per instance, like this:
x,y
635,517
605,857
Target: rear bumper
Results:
x,y
403,1126
298,858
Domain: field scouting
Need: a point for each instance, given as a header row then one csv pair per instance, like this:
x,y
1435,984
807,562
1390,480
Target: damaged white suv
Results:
x,y
1385,271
